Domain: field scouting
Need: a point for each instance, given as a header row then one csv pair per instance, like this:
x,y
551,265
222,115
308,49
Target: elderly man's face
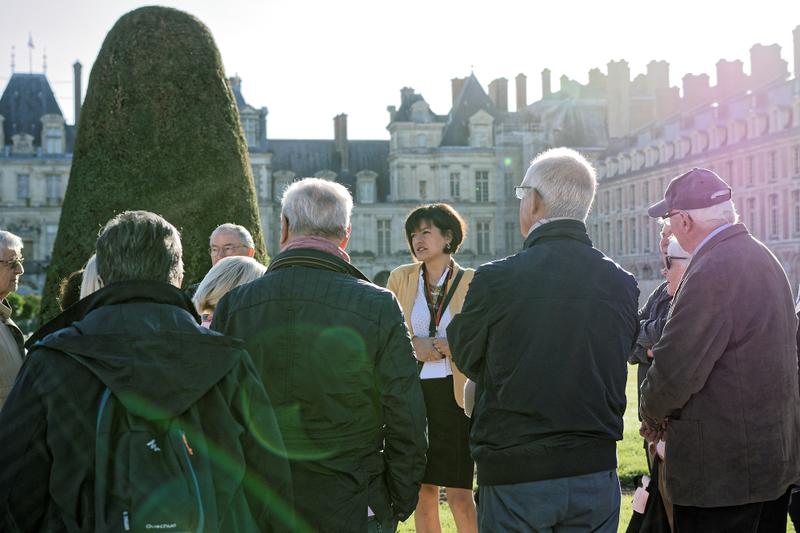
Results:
x,y
10,270
226,244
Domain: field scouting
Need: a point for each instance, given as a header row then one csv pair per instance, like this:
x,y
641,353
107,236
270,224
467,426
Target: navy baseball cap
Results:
x,y
695,189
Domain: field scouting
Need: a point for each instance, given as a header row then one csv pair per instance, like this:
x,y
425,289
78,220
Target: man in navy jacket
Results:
x,y
545,335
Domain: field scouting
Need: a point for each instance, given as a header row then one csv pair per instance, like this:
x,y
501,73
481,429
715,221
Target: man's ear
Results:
x,y
346,239
251,252
284,230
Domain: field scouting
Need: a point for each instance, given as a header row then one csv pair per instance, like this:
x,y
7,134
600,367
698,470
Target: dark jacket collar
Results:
x,y
308,257
727,233
117,293
559,229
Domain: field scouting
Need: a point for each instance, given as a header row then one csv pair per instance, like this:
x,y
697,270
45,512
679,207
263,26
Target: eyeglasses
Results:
x,y
228,249
519,191
668,259
665,219
14,263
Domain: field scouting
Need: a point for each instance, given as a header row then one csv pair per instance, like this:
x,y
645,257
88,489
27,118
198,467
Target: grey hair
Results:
x,y
314,206
139,245
228,273
240,231
675,249
9,240
566,182
90,282
724,213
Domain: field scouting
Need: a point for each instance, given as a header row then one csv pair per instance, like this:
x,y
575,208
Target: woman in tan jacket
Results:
x,y
431,291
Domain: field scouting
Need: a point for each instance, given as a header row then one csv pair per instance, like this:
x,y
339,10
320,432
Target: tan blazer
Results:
x,y
404,283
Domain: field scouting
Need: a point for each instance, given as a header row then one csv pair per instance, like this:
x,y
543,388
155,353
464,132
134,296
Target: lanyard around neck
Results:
x,y
436,308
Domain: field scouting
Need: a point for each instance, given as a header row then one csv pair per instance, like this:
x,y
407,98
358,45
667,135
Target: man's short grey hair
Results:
x,y
10,241
227,274
240,231
724,213
314,206
139,245
566,182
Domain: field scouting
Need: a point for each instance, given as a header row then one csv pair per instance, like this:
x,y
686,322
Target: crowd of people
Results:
x,y
299,396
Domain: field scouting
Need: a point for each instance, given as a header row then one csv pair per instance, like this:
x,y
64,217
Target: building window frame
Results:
x,y
482,186
384,232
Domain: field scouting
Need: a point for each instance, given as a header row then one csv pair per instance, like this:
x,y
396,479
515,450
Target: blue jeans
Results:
x,y
581,503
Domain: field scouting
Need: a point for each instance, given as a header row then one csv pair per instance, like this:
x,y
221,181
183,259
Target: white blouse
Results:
x,y
420,322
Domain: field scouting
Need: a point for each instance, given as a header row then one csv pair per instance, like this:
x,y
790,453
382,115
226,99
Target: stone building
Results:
x,y
639,132
746,128
35,158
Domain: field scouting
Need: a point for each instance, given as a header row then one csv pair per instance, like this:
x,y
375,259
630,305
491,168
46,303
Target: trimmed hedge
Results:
x,y
159,130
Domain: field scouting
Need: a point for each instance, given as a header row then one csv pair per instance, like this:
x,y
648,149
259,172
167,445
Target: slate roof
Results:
x,y
307,157
26,98
471,100
572,122
780,93
404,113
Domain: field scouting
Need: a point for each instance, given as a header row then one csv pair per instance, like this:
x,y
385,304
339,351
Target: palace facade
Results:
x,y
638,132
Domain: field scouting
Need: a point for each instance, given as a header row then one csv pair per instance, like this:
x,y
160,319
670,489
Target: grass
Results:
x,y
630,455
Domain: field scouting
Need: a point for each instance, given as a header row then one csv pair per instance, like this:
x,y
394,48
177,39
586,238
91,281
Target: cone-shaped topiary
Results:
x,y
159,130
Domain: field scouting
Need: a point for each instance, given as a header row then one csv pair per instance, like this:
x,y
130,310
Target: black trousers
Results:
x,y
762,517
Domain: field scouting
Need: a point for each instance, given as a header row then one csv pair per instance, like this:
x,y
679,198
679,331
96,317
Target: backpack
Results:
x,y
151,474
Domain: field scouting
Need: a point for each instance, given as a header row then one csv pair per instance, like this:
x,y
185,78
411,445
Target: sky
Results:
x,y
309,60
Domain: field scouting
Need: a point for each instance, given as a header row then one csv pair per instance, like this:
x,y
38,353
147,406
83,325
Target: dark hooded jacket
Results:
x,y
141,340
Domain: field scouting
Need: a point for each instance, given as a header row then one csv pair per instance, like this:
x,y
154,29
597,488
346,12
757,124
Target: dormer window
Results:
x,y
22,144
52,140
250,127
53,134
366,187
420,111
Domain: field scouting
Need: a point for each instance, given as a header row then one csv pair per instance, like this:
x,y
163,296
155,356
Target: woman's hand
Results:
x,y
441,345
424,350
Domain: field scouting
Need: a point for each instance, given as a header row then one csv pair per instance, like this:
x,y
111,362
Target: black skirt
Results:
x,y
449,461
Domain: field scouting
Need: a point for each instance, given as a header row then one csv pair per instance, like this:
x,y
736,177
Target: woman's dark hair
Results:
x,y
69,290
443,217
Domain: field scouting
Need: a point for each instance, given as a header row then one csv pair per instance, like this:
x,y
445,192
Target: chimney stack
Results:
x,y
731,78
618,94
262,127
236,83
766,64
340,139
456,85
498,93
597,80
796,35
657,76
522,91
696,90
76,70
546,88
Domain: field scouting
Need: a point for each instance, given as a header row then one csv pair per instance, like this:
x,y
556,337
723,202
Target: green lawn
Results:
x,y
632,463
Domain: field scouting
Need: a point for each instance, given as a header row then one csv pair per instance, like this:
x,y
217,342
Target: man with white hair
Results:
x,y
11,339
723,385
230,239
545,335
336,359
